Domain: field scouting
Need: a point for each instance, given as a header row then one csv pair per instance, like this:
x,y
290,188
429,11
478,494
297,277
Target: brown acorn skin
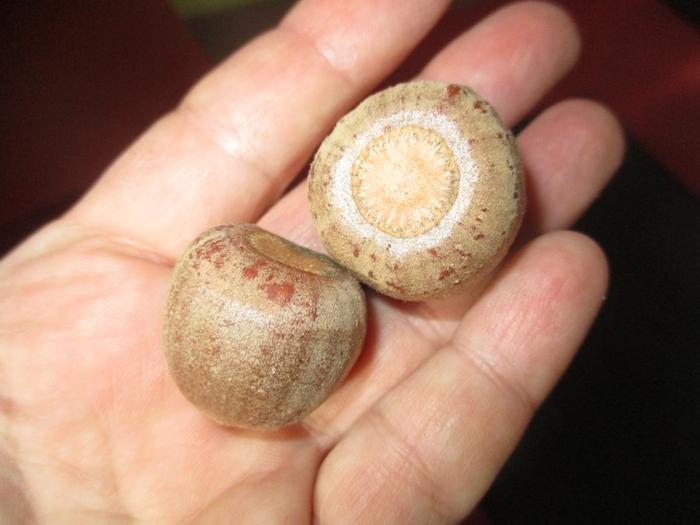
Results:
x,y
259,331
484,232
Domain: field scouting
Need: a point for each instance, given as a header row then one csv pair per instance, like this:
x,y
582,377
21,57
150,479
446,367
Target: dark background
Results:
x,y
618,441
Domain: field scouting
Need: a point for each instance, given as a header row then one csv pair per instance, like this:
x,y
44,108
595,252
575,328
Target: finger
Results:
x,y
512,58
430,448
570,152
244,131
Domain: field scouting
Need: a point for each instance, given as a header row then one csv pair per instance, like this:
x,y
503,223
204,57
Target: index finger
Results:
x,y
240,136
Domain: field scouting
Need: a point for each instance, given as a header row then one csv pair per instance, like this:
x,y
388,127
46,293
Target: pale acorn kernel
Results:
x,y
259,331
419,185
419,190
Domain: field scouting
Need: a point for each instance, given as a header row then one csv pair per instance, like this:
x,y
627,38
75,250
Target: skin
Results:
x,y
259,331
417,259
95,431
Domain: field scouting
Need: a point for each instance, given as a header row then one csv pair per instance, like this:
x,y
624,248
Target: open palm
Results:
x,y
95,431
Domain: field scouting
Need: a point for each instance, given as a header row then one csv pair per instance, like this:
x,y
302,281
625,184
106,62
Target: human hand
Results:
x,y
95,431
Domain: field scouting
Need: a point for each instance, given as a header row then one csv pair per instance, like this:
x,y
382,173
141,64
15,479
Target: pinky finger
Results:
x,y
430,448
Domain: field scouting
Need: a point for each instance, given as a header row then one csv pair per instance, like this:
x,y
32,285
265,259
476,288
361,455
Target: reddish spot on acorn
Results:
x,y
281,293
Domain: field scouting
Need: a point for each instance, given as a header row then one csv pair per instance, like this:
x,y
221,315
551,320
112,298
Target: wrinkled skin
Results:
x,y
93,428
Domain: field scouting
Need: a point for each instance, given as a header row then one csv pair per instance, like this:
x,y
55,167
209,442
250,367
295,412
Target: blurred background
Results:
x,y
619,440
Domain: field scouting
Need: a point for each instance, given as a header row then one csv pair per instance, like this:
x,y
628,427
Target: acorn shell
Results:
x,y
419,190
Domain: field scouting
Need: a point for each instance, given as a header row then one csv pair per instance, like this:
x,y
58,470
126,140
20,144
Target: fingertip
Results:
x,y
547,21
608,130
576,143
604,129
580,260
564,30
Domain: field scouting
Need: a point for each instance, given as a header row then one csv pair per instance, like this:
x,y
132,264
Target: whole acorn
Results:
x,y
259,331
419,190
